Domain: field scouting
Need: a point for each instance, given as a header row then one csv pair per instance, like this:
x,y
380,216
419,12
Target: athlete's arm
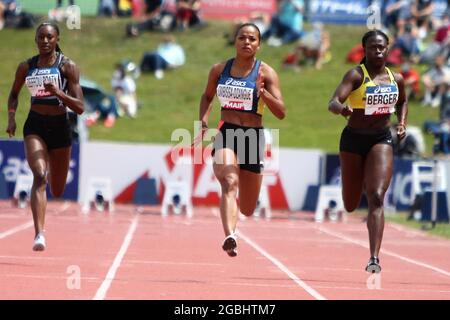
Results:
x,y
401,106
352,80
207,99
209,93
268,86
13,99
74,99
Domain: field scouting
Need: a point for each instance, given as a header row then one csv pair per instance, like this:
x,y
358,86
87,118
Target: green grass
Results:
x,y
173,102
441,229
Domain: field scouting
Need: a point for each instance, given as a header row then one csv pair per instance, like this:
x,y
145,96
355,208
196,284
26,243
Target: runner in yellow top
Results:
x,y
372,92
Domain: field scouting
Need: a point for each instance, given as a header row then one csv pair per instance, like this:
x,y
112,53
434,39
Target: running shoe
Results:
x,y
373,266
230,245
39,242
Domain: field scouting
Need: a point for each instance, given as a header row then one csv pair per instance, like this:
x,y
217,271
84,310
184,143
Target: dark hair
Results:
x,y
247,24
54,26
370,34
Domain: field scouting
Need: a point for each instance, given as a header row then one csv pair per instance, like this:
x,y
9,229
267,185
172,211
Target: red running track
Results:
x,y
134,253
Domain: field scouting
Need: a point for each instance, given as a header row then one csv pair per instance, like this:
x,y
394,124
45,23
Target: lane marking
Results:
x,y
66,205
387,252
103,289
277,263
14,230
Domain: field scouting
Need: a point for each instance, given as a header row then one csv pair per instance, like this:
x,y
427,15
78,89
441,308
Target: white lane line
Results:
x,y
103,289
277,263
282,267
14,230
387,252
66,205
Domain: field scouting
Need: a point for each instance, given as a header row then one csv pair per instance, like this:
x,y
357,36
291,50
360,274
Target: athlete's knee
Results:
x,y
39,178
350,207
57,192
229,184
376,198
247,210
350,204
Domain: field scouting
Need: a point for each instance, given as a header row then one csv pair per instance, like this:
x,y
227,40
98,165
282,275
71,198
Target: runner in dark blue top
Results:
x,y
243,86
53,82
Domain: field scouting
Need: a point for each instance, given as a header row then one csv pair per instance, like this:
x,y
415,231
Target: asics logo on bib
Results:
x,y
383,90
44,71
235,82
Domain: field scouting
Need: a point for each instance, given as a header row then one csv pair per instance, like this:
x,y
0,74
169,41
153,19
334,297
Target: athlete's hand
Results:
x,y
51,88
199,138
260,84
401,131
346,111
11,129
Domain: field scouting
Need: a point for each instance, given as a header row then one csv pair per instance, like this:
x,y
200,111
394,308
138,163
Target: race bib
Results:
x,y
381,99
235,97
35,83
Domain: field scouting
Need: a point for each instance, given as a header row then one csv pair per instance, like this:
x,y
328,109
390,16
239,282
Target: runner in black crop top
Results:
x,y
53,81
243,85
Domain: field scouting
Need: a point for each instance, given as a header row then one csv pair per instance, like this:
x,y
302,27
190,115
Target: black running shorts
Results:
x,y
54,130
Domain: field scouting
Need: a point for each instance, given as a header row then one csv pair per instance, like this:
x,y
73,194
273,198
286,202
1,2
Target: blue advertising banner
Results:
x,y
353,12
400,191
332,169
339,11
13,163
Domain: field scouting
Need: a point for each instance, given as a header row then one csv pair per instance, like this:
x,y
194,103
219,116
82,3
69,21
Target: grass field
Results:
x,y
441,229
173,102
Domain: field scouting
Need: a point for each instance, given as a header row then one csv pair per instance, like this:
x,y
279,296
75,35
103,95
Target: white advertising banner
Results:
x,y
125,163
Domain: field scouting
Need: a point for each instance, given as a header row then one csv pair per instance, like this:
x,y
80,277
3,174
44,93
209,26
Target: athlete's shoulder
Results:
x,y
65,60
67,65
23,66
218,68
355,74
265,66
397,76
32,61
266,69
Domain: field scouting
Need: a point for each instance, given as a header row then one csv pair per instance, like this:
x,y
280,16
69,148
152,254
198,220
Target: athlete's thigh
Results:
x,y
36,154
378,168
249,188
225,164
352,173
59,162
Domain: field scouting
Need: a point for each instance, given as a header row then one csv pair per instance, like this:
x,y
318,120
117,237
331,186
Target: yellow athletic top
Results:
x,y
375,99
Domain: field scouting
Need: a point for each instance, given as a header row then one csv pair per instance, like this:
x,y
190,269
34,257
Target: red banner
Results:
x,y
232,9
